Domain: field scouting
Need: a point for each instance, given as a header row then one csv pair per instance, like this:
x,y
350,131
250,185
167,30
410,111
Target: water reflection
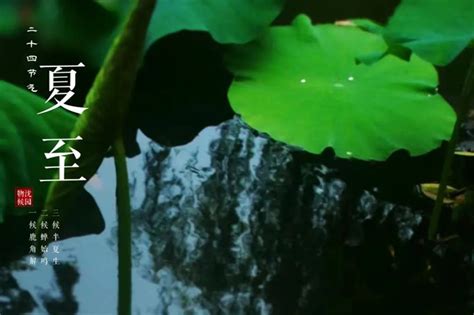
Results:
x,y
232,223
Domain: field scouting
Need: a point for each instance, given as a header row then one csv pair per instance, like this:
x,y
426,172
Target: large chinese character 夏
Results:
x,y
62,160
62,83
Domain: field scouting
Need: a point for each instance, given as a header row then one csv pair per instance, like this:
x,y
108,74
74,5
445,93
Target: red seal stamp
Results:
x,y
23,197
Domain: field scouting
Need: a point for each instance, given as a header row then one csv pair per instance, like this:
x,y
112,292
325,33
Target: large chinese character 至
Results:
x,y
62,160
62,83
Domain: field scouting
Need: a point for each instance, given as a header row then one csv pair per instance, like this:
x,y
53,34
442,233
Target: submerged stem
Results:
x,y
467,98
124,230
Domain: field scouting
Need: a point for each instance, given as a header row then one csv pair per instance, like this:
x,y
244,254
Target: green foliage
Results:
x,y
9,18
106,103
83,27
88,27
231,21
367,25
436,30
21,147
301,85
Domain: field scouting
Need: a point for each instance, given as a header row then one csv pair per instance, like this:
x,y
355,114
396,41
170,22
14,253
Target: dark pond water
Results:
x,y
235,223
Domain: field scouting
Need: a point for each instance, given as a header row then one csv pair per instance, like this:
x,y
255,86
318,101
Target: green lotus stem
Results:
x,y
100,127
124,230
467,99
107,104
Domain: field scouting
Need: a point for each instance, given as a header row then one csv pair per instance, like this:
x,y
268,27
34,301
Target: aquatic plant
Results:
x,y
362,89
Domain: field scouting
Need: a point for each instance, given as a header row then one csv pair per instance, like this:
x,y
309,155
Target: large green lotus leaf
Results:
x,y
436,30
22,159
88,26
83,27
230,21
301,85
